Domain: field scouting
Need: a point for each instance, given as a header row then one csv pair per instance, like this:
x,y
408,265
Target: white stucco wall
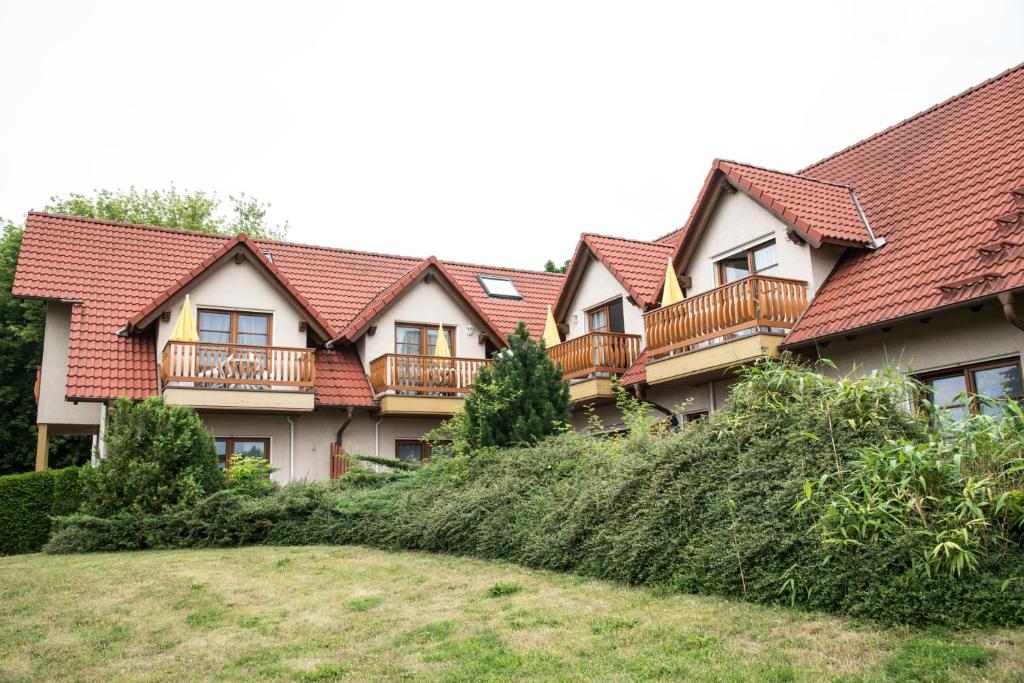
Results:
x,y
314,433
426,303
958,337
597,285
738,222
53,408
239,287
359,436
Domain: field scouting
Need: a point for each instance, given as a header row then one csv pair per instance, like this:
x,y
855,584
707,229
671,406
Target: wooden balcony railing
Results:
x,y
237,366
754,302
609,352
423,374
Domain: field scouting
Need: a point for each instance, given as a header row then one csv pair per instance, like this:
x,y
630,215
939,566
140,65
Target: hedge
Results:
x,y
27,503
710,508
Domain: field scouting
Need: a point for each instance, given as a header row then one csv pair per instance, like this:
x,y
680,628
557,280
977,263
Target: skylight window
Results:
x,y
499,287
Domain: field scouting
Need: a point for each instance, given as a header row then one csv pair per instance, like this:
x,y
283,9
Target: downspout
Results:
x,y
376,441
291,447
101,438
1010,310
344,425
711,397
641,393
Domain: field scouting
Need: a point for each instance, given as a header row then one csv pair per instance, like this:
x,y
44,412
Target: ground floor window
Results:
x,y
954,391
414,450
252,447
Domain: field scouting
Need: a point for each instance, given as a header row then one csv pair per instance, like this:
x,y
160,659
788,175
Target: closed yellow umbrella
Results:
x,y
185,329
441,345
671,293
551,337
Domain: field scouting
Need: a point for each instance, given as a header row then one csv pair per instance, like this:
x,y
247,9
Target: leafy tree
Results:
x,y
159,457
189,210
517,400
22,322
550,267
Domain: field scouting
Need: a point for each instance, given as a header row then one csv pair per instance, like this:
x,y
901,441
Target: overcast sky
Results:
x,y
477,131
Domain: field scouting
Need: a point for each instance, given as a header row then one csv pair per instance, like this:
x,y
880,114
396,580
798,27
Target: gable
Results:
x,y
597,285
240,286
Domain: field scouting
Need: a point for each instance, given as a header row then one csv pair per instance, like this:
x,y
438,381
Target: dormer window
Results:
x,y
499,287
760,260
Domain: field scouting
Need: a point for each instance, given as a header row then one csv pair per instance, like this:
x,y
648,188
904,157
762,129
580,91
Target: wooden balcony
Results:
x,y
238,366
259,378
610,353
430,375
755,304
408,384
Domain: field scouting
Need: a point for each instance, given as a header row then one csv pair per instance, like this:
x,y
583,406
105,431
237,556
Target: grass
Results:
x,y
324,614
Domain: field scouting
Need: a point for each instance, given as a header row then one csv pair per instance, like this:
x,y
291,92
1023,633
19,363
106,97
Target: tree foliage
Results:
x,y
550,267
197,211
518,399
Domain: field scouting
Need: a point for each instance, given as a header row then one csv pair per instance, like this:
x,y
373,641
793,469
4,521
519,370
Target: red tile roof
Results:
x,y
821,210
221,253
114,271
637,372
933,186
638,266
393,291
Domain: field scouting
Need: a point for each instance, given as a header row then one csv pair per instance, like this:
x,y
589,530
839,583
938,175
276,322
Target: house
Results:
x,y
906,249
302,352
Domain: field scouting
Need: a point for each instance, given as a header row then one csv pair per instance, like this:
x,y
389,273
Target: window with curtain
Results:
x,y
417,339
760,260
234,327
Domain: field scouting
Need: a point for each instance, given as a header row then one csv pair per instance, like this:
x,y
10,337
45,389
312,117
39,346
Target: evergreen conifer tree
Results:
x,y
518,399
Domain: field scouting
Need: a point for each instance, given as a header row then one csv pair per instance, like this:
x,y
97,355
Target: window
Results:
x,y
499,287
952,391
606,317
249,447
760,260
233,327
420,340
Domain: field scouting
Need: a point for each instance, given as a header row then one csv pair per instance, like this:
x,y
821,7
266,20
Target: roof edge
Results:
x,y
914,117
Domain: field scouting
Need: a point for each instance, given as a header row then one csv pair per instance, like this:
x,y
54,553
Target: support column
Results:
x,y
42,447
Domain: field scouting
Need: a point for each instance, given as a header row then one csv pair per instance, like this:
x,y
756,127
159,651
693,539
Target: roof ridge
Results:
x,y
625,239
263,241
914,117
845,186
126,224
482,265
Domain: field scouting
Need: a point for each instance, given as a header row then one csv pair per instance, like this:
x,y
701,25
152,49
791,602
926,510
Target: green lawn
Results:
x,y
321,613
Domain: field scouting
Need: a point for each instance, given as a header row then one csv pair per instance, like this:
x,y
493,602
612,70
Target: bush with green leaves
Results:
x,y
158,457
707,508
249,475
959,491
516,400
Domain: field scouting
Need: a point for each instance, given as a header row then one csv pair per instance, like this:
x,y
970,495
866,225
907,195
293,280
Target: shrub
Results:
x,y
249,476
516,400
158,457
28,501
958,493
